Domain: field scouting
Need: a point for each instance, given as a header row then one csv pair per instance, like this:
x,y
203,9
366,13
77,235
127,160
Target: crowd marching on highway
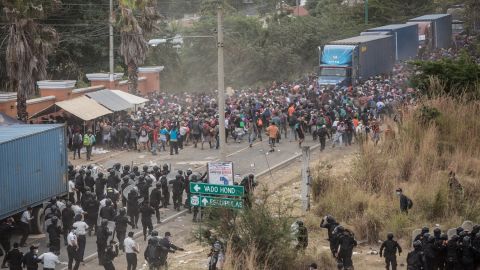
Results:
x,y
107,203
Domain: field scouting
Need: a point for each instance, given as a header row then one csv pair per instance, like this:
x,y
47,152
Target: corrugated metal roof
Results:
x,y
110,100
13,132
429,17
83,108
130,98
391,27
359,39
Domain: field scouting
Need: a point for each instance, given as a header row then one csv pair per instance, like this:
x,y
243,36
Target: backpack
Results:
x,y
409,203
77,139
86,140
143,133
259,122
152,250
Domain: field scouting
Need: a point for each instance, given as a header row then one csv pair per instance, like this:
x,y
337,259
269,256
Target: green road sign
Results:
x,y
202,188
216,202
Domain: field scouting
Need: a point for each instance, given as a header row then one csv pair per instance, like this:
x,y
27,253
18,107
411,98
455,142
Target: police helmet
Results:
x,y
89,167
390,236
122,211
180,172
112,172
108,202
70,167
154,233
141,178
417,244
104,223
155,168
145,168
165,166
300,223
135,168
425,230
117,165
126,167
132,175
189,172
82,171
437,232
100,174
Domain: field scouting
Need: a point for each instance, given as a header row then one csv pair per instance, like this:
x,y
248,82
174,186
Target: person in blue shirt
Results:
x,y
174,140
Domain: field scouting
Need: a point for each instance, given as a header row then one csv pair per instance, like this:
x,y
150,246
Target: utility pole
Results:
x,y
221,88
366,12
110,53
305,178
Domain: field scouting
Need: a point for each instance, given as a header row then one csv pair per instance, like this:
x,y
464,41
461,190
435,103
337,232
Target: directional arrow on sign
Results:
x,y
197,188
204,201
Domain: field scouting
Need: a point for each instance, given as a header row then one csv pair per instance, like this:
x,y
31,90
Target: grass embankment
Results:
x,y
438,136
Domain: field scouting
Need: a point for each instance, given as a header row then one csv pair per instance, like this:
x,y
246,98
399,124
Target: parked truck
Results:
x,y
405,39
33,169
348,61
434,31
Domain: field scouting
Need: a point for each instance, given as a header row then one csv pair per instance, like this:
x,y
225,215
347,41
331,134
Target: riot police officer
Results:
x,y
146,211
132,207
121,222
165,192
155,199
54,233
126,172
177,190
100,183
89,180
391,247
113,180
102,239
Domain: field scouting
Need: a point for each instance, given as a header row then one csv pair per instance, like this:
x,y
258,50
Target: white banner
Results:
x,y
220,173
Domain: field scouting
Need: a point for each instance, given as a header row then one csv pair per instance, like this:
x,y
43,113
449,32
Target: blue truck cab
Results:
x,y
344,62
336,65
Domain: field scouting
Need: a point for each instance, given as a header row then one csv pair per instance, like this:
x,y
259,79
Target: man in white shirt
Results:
x,y
49,259
71,190
81,231
131,250
72,247
25,225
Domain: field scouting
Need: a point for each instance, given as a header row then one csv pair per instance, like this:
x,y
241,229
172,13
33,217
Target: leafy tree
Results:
x,y
457,77
28,46
133,45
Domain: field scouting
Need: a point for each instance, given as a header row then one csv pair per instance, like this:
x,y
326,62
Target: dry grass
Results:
x,y
438,136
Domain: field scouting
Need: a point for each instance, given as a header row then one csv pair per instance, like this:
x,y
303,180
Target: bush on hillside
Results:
x,y
439,136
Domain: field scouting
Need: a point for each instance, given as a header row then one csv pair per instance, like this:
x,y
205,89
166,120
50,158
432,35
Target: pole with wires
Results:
x,y
110,51
221,87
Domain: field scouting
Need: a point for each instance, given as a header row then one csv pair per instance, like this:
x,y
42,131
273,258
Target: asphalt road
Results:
x,y
245,159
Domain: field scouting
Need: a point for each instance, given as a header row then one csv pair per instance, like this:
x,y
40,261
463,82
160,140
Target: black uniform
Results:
x,y
453,260
391,247
121,222
110,254
330,225
155,199
147,211
102,239
68,216
6,230
113,180
346,242
165,192
91,208
187,191
132,207
54,234
416,260
90,181
30,260
107,212
177,189
166,247
100,183
80,185
322,136
14,259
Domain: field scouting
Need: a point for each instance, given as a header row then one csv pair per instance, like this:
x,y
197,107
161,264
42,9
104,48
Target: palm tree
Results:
x,y
133,45
28,46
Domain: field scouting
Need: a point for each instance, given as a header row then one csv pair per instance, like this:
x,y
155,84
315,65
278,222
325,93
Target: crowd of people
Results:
x,y
107,206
